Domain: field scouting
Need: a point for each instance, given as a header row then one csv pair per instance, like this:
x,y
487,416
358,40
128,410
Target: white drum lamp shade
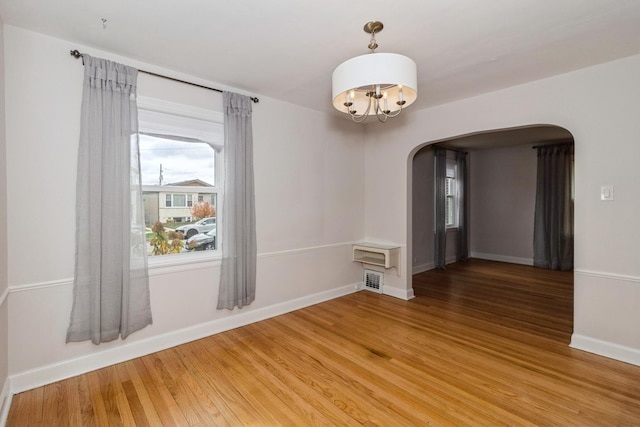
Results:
x,y
395,75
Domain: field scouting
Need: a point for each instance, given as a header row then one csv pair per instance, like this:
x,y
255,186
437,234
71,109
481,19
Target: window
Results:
x,y
177,200
451,192
181,164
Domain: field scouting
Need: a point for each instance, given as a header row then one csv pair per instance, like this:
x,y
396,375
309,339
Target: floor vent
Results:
x,y
373,280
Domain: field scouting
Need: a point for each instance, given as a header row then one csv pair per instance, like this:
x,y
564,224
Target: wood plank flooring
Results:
x,y
482,344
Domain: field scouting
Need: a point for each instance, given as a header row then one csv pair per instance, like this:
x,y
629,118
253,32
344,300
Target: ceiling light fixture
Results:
x,y
380,83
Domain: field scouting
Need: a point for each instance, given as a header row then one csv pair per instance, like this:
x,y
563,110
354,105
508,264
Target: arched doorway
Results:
x,y
501,195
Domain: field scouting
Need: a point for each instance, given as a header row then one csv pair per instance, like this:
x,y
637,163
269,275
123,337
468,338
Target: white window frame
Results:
x,y
187,111
452,195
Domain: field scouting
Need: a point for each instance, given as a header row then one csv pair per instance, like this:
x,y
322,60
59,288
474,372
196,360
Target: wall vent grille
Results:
x,y
373,280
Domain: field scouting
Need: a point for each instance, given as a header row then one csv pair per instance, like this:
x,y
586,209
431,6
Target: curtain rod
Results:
x,y
76,54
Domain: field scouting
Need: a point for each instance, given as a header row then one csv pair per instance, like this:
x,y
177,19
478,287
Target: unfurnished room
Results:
x,y
251,213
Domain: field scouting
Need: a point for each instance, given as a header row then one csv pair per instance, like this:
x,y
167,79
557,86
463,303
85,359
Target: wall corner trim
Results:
x,y
4,296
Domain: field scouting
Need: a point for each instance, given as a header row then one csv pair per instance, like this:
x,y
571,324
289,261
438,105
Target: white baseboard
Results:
x,y
55,372
421,268
5,401
502,258
606,349
404,294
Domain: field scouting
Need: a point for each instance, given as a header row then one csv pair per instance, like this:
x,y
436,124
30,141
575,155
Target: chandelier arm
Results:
x,y
362,117
380,114
397,113
374,102
359,119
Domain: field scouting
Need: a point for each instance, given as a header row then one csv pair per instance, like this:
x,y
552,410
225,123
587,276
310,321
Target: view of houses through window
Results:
x,y
180,190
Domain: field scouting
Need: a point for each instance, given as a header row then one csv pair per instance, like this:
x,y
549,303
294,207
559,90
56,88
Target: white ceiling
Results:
x,y
287,49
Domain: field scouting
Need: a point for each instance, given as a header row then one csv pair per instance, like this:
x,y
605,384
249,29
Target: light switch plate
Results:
x,y
606,192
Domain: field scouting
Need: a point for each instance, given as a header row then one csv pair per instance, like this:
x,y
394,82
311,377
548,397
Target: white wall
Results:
x,y
422,191
502,189
309,172
599,106
4,308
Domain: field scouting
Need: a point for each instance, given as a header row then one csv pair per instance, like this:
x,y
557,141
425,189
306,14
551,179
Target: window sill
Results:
x,y
188,261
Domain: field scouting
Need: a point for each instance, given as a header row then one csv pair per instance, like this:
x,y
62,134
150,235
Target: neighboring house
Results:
x,y
173,202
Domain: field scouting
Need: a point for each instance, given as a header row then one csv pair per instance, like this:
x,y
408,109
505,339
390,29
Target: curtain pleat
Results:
x,y
111,286
440,202
553,223
462,238
238,239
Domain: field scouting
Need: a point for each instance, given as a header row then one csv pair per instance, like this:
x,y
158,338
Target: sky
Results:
x,y
180,161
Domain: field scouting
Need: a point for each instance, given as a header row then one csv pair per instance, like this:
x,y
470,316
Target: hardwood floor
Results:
x,y
482,343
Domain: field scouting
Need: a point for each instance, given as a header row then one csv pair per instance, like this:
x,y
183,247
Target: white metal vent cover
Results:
x,y
373,280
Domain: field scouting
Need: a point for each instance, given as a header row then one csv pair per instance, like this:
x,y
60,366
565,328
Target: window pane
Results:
x,y
166,162
449,187
179,200
176,174
450,211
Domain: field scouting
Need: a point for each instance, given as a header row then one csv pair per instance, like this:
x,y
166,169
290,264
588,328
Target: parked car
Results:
x,y
202,241
202,226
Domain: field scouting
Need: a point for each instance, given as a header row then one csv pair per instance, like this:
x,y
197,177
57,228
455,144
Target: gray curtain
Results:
x,y
238,239
111,285
440,202
462,239
553,229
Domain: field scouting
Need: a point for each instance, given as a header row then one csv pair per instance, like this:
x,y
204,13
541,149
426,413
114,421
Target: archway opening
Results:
x,y
500,198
